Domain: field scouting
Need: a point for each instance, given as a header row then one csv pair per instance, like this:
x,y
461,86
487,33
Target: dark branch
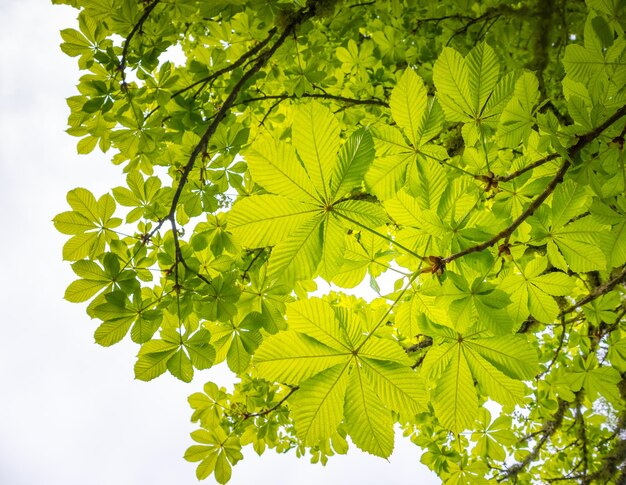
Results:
x,y
426,342
558,349
599,291
582,142
135,29
527,168
265,412
548,429
239,62
261,60
282,97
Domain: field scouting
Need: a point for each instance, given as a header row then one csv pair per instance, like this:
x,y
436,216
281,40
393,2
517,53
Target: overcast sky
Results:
x,y
70,411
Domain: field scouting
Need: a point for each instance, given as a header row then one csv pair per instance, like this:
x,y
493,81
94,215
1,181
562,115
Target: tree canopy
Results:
x,y
471,153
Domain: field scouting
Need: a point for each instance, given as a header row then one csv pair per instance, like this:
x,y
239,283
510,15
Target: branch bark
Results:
x,y
146,13
582,142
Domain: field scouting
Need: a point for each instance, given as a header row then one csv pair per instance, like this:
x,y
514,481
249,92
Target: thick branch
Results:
x,y
599,291
426,342
582,142
546,432
261,60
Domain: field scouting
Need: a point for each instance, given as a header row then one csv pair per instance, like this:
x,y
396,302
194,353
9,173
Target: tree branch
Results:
x,y
282,97
527,168
582,142
300,17
558,349
599,291
239,62
260,61
265,412
548,429
146,13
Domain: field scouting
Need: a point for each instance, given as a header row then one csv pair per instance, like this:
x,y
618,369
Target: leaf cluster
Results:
x,y
469,161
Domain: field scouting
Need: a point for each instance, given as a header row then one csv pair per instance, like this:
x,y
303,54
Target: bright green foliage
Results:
x,y
469,155
341,368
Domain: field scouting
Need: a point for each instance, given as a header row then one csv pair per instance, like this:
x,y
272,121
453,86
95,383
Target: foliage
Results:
x,y
470,152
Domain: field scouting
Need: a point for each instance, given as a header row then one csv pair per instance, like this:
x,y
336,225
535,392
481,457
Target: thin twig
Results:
x,y
265,412
527,168
146,13
343,99
262,59
204,81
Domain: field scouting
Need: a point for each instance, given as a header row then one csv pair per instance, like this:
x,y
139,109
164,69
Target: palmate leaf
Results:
x,y
596,380
578,243
89,222
236,340
268,299
420,119
363,252
468,302
572,242
177,353
490,436
532,292
470,89
497,364
216,453
516,121
342,373
308,207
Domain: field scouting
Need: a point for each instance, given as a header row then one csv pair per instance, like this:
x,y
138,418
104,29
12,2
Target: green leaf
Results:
x,y
316,137
454,397
180,366
275,166
451,77
355,157
292,357
265,220
297,256
408,104
370,423
484,72
318,404
516,120
72,223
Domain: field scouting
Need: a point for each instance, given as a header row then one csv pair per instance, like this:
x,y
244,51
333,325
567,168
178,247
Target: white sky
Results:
x,y
70,411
